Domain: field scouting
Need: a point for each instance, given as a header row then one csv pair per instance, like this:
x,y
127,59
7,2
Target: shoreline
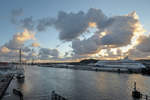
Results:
x,y
97,69
4,83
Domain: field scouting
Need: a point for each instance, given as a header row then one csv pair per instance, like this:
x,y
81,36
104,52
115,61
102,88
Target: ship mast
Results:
x,y
20,56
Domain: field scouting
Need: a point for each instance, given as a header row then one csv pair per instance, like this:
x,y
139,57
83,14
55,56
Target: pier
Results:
x,y
55,96
4,83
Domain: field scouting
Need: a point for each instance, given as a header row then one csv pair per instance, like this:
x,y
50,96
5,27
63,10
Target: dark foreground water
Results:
x,y
77,84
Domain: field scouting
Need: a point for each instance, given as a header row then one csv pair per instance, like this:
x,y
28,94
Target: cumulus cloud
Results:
x,y
18,39
144,44
26,49
24,23
113,34
13,55
4,50
97,16
10,48
35,44
47,54
137,54
120,31
44,23
8,56
72,25
86,46
27,23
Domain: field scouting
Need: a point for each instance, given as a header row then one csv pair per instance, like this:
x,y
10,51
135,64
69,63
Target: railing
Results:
x,y
146,97
55,96
138,94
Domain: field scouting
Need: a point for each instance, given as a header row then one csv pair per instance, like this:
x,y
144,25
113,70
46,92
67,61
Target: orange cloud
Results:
x,y
5,50
92,24
24,36
35,44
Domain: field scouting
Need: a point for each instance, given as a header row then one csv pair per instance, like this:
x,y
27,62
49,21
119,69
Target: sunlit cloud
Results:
x,y
114,37
35,44
11,48
92,24
26,35
5,50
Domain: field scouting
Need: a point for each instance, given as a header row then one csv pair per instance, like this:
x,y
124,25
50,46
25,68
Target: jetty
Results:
x,y
4,83
56,96
18,93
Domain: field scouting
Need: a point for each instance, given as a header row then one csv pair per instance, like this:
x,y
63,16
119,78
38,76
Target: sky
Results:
x,y
74,29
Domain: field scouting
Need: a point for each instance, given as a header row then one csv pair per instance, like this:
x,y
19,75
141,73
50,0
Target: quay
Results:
x,y
4,83
55,96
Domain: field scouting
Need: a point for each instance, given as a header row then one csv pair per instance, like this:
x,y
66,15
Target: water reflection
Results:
x,y
77,84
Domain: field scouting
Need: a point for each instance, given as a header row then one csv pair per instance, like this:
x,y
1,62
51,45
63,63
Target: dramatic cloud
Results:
x,y
18,40
24,23
86,46
144,44
72,25
137,54
114,36
11,48
47,54
97,16
120,31
27,23
44,23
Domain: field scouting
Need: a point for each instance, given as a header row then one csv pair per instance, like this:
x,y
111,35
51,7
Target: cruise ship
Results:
x,y
125,63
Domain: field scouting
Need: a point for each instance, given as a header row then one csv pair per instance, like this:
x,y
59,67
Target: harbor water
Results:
x,y
77,84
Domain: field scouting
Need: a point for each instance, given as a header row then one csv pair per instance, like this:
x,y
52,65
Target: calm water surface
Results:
x,y
77,84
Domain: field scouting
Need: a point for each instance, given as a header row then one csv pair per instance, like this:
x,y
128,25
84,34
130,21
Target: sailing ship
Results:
x,y
20,69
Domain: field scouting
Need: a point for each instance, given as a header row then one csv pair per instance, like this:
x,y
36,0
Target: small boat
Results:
x,y
20,76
